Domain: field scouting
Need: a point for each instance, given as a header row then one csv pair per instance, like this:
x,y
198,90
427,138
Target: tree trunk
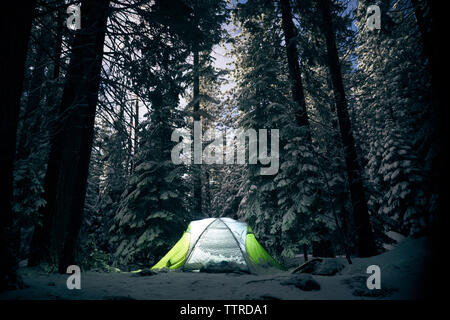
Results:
x,y
130,143
427,24
15,32
298,94
30,118
136,124
305,252
68,164
197,170
36,246
365,242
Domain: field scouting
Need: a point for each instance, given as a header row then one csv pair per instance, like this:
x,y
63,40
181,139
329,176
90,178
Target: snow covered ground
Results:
x,y
403,271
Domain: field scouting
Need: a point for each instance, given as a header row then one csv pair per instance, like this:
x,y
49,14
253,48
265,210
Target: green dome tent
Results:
x,y
218,242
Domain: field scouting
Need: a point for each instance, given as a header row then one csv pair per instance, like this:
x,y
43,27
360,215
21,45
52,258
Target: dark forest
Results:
x,y
314,125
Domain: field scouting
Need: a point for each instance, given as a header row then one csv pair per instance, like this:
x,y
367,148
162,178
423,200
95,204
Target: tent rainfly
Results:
x,y
218,242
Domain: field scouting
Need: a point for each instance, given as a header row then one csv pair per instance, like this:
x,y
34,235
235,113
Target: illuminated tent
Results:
x,y
218,242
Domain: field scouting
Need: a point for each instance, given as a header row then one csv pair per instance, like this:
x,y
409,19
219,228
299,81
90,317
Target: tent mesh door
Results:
x,y
216,245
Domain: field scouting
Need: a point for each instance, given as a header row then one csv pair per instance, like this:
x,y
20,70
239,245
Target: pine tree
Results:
x,y
38,102
365,243
392,97
283,208
15,31
62,213
153,210
152,213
